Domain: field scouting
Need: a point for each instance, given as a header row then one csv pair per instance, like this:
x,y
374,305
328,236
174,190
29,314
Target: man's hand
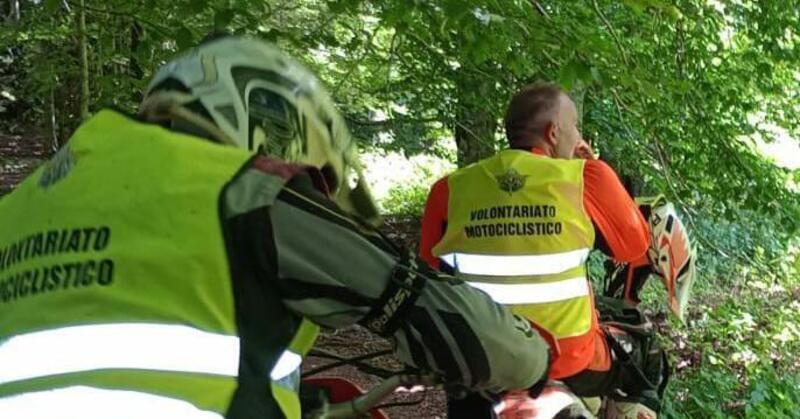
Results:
x,y
583,150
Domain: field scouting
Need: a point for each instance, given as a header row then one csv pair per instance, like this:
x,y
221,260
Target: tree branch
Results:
x,y
688,210
356,63
391,122
84,60
612,32
156,28
550,58
540,9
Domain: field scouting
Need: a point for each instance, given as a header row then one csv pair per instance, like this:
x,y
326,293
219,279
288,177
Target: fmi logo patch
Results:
x,y
511,181
58,167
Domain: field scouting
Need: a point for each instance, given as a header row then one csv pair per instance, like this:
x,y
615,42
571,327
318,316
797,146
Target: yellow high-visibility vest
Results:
x,y
116,293
517,229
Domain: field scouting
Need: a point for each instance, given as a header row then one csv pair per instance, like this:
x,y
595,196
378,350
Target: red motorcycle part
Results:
x,y
342,390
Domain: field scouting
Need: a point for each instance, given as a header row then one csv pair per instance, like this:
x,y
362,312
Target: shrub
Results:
x,y
406,200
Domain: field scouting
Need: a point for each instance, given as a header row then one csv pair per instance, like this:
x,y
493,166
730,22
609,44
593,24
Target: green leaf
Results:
x,y
394,15
338,6
567,77
197,6
597,76
495,18
270,35
184,38
637,6
673,12
573,72
50,6
584,72
223,18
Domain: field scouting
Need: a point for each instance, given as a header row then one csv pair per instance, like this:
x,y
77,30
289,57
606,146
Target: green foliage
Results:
x,y
406,200
702,396
748,242
668,91
737,356
672,93
774,395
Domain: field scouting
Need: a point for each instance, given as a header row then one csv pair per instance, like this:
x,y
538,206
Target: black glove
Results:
x,y
536,389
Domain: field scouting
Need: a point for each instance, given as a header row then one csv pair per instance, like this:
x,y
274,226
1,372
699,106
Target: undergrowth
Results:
x,y
738,353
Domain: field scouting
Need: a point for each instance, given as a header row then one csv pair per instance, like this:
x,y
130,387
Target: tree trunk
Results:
x,y
134,69
84,61
14,10
53,121
577,95
475,123
474,135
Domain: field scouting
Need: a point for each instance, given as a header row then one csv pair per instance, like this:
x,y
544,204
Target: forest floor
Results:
x,y
418,402
18,157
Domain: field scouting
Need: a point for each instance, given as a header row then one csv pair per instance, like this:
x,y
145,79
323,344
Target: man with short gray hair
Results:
x,y
485,223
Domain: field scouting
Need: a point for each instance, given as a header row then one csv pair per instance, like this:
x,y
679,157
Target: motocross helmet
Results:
x,y
670,254
247,93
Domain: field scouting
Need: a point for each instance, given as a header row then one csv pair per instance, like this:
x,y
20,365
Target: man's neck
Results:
x,y
539,148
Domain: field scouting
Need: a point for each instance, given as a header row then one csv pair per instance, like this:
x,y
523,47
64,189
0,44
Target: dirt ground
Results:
x,y
355,341
18,157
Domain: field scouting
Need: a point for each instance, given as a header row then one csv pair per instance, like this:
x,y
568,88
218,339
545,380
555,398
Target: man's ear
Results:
x,y
550,131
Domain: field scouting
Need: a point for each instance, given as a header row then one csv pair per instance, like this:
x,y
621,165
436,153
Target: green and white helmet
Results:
x,y
247,93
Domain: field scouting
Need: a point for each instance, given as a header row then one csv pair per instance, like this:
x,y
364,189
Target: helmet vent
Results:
x,y
229,113
242,76
279,120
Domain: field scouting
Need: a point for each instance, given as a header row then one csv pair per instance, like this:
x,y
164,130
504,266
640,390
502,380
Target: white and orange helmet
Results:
x,y
247,93
671,254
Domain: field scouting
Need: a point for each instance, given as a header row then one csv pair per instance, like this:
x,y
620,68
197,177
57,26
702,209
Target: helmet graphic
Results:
x,y
247,93
670,254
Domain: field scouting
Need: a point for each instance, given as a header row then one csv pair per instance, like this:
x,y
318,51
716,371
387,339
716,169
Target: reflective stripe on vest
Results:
x,y
125,346
158,347
95,403
536,293
516,265
288,363
286,380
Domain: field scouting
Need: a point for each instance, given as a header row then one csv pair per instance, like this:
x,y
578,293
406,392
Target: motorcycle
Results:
x,y
670,257
326,397
332,397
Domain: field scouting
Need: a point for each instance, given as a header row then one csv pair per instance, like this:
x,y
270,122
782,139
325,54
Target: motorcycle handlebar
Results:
x,y
363,404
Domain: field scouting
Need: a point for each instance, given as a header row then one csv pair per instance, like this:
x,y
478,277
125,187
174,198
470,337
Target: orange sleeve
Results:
x,y
614,213
434,221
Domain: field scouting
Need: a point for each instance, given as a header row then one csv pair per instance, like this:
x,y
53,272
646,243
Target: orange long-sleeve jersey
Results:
x,y
621,231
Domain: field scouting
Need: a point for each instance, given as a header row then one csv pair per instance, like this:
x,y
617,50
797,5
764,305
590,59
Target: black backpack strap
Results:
x,y
644,367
